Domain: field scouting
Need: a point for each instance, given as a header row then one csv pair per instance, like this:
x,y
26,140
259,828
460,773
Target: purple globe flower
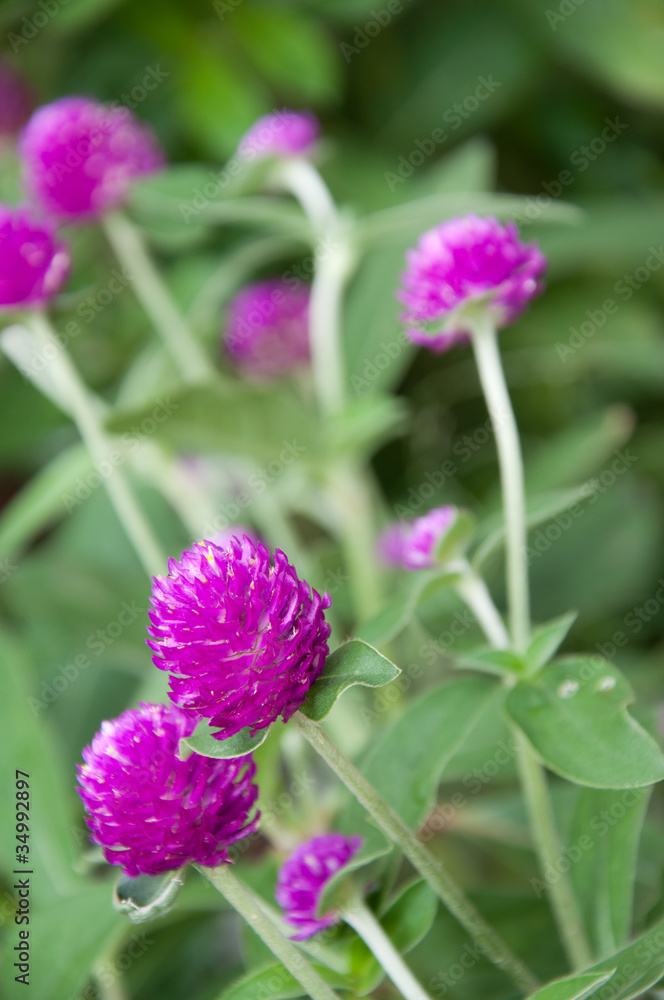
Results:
x,y
413,544
283,133
15,101
152,812
80,157
461,265
241,636
304,875
33,261
267,329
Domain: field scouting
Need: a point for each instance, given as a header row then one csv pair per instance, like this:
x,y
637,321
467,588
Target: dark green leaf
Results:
x,y
356,662
575,716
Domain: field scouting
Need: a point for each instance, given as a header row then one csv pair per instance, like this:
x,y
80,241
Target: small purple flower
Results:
x,y
242,637
461,265
267,329
304,875
152,812
413,544
33,261
80,157
282,133
16,101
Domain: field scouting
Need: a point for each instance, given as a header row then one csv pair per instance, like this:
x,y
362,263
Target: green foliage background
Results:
x,y
562,70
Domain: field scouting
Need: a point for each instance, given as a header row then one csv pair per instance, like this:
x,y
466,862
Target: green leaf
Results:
x,y
576,987
546,640
493,661
367,423
603,841
202,742
355,662
393,619
276,983
266,423
406,922
147,896
575,716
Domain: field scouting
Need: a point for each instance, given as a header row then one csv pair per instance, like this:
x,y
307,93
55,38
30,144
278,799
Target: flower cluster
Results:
x,y
283,133
464,267
152,812
242,637
33,261
304,875
414,544
267,329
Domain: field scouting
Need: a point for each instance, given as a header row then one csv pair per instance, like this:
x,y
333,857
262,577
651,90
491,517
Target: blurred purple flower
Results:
x,y
282,133
460,265
267,329
34,263
16,101
303,877
80,157
413,544
152,812
242,637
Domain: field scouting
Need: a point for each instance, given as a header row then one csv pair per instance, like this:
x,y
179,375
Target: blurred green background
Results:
x,y
554,100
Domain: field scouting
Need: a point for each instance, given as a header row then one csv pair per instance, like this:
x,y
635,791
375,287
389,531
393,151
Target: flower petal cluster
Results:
x,y
34,263
413,544
242,637
304,875
459,266
152,812
283,133
267,329
80,157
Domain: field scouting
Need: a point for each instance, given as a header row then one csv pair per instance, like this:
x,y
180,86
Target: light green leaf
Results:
x,y
575,716
547,639
493,661
202,742
147,897
393,619
576,987
603,841
355,662
276,983
406,922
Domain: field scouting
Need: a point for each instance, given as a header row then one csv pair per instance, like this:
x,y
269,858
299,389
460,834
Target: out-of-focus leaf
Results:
x,y
276,983
576,987
574,713
147,896
546,640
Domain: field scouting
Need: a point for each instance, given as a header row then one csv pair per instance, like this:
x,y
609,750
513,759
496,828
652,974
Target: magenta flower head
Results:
x,y
241,636
283,133
426,542
152,812
16,101
33,261
303,877
80,157
460,267
267,329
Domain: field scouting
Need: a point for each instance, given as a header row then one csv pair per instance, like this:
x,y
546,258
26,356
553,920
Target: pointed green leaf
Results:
x,y
546,640
204,743
147,896
575,716
356,662
574,987
276,983
393,619
493,661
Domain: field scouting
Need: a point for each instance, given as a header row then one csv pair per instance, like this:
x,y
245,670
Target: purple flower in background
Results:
x,y
267,329
413,544
152,812
80,157
33,261
242,637
459,265
304,875
16,101
282,133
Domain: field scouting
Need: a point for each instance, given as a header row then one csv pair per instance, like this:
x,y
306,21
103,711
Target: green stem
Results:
x,y
472,589
355,528
130,250
499,405
249,907
426,864
363,922
533,776
86,414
